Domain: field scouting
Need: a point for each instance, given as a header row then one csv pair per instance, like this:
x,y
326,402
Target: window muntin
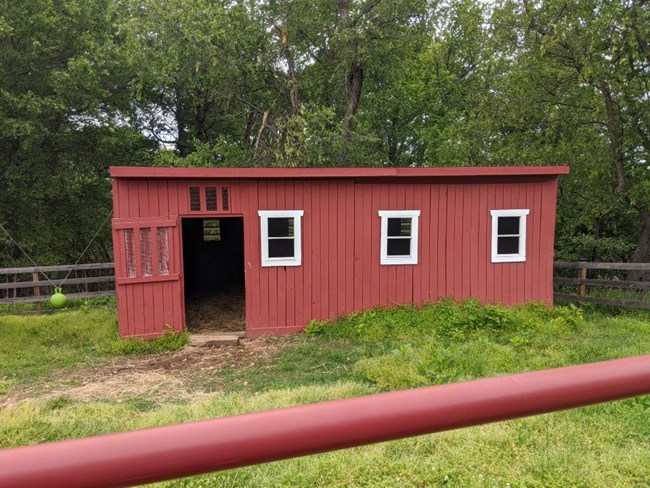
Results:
x,y
399,236
281,237
509,235
211,230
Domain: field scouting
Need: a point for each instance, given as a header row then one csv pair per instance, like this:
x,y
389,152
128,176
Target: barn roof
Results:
x,y
332,173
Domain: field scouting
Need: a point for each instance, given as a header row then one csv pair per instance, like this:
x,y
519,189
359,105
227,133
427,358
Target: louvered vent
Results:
x,y
195,199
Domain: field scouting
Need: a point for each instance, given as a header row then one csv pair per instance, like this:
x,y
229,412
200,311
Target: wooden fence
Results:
x,y
31,284
611,280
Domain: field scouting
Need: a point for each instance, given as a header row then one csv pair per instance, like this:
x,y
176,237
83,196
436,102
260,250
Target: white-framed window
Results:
x,y
399,236
281,233
509,235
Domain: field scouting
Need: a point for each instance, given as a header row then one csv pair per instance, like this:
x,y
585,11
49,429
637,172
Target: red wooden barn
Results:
x,y
313,244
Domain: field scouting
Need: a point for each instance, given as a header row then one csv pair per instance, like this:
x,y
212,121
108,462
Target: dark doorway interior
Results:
x,y
213,264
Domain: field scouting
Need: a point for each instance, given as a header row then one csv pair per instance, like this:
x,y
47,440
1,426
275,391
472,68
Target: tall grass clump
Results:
x,y
447,341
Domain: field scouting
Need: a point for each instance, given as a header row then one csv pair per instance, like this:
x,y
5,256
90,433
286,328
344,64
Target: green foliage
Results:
x,y
86,84
169,341
455,341
588,446
33,347
446,320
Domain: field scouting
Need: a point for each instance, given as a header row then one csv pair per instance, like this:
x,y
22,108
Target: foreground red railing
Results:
x,y
199,447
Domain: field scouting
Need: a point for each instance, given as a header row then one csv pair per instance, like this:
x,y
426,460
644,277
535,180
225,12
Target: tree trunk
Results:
x,y
355,84
294,94
642,251
615,129
183,137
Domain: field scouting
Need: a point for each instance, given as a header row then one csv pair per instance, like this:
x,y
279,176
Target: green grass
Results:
x,y
599,446
33,347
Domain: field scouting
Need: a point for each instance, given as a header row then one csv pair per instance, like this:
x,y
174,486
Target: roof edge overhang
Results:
x,y
158,172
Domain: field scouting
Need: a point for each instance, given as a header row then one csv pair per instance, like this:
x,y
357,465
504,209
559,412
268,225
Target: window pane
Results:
x,y
211,230
130,252
508,245
145,252
399,227
281,248
398,247
211,199
195,199
163,250
508,225
280,227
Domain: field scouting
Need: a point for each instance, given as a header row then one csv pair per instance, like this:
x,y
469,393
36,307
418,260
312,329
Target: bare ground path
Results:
x,y
179,375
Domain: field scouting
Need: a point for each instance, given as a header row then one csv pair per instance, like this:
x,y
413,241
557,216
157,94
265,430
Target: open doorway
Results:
x,y
213,265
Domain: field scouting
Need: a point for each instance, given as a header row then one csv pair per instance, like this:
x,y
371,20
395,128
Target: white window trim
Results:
x,y
509,258
412,258
296,260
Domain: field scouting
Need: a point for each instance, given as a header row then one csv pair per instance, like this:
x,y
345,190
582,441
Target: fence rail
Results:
x,y
30,284
175,451
581,281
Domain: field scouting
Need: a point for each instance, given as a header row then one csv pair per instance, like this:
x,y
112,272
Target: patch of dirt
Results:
x,y
178,375
222,313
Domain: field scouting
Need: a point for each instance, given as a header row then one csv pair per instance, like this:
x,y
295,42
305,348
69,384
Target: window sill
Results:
x,y
509,258
398,261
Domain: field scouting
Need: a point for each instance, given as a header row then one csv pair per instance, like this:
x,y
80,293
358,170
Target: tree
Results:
x,y
63,105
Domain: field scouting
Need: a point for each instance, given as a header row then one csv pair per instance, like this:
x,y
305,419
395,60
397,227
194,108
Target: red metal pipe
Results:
x,y
180,450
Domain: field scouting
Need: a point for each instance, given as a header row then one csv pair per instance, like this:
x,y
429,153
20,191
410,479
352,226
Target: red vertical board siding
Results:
x,y
381,196
341,270
465,226
407,271
350,246
490,274
416,283
358,249
369,251
548,237
298,300
307,268
315,227
265,281
341,229
253,256
520,295
290,294
443,196
498,267
332,237
536,228
431,264
482,242
378,203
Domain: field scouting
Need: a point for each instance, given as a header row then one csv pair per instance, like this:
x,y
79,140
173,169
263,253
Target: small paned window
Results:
x,y
129,242
509,235
162,234
211,230
281,237
399,236
224,198
195,199
145,252
211,199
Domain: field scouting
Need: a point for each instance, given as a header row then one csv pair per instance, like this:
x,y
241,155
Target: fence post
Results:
x,y
582,275
37,293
